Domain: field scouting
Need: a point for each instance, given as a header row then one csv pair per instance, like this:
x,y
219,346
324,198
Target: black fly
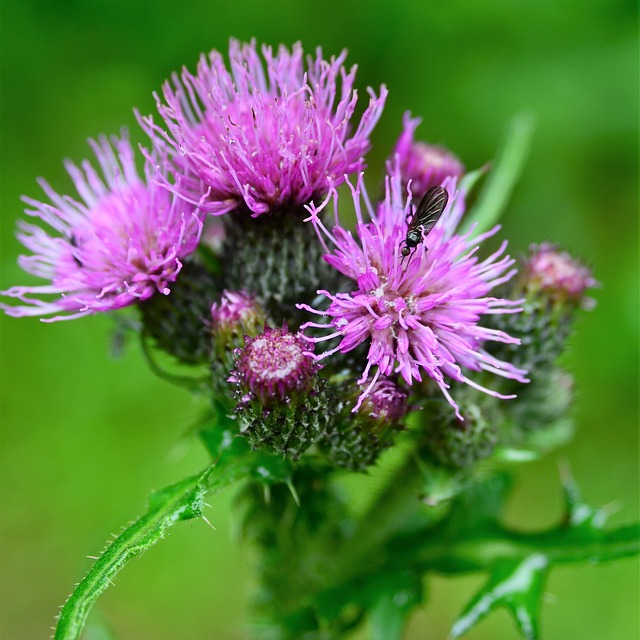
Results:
x,y
424,219
74,243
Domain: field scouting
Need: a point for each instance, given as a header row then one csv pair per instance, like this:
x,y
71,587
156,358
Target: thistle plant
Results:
x,y
318,348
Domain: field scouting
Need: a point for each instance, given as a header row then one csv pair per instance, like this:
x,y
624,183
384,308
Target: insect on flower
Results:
x,y
429,210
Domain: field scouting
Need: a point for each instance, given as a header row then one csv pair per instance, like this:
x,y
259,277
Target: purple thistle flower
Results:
x,y
420,315
120,243
268,138
426,165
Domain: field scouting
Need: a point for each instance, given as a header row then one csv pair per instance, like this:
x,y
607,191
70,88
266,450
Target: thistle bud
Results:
x,y
557,276
233,317
282,405
236,314
361,436
458,443
179,322
426,165
552,286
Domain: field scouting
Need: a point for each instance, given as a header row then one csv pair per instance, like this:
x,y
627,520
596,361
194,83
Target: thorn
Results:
x,y
93,557
207,521
267,494
550,598
110,581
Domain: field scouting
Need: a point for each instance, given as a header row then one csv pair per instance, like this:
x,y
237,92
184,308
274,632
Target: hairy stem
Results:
x,y
181,501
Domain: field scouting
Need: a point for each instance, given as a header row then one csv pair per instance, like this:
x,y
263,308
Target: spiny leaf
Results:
x,y
516,585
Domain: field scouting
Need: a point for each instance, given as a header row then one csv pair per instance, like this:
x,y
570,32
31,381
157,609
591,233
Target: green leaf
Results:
x,y
502,177
516,585
472,538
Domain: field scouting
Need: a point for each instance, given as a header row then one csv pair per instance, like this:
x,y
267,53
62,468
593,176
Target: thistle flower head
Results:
x,y
273,365
386,402
425,165
236,314
266,138
557,275
420,315
119,243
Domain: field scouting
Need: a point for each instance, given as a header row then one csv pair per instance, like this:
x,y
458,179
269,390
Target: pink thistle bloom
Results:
x,y
420,315
119,244
425,165
266,137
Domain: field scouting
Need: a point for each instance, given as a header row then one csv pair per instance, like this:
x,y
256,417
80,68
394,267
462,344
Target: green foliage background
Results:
x,y
86,436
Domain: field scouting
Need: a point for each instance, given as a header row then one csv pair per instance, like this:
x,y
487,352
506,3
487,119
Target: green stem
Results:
x,y
195,384
181,501
394,507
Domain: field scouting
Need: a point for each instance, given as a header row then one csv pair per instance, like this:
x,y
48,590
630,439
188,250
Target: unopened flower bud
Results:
x,y
385,405
557,276
274,365
233,317
426,165
361,436
236,314
458,443
282,404
552,286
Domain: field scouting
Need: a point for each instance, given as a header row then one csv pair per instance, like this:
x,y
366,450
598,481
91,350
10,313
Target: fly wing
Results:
x,y
430,209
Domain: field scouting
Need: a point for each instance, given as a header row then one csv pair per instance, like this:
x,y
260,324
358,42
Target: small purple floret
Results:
x,y
120,243
266,137
386,402
425,165
558,274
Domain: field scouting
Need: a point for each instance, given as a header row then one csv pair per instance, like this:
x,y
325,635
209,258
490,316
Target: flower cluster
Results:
x,y
232,247
410,308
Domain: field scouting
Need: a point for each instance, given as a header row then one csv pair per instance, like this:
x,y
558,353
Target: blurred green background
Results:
x,y
85,436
